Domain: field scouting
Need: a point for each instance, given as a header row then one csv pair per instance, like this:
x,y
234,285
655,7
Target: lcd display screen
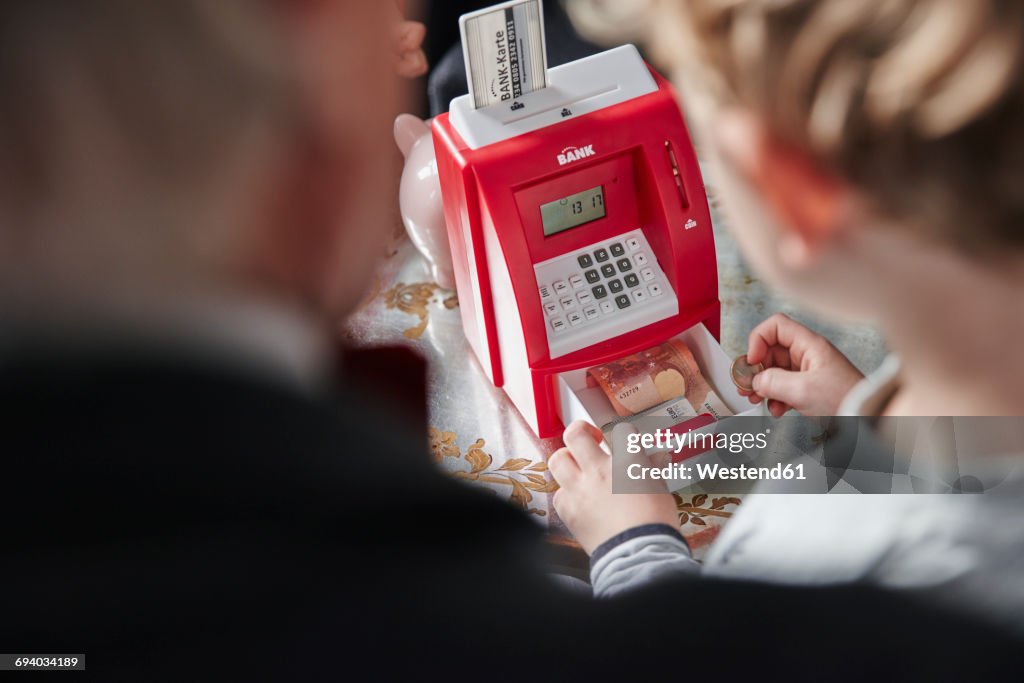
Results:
x,y
572,211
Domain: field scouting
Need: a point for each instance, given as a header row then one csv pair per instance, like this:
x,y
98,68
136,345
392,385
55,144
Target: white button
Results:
x,y
560,287
545,292
591,312
584,298
639,295
655,290
647,274
575,318
568,303
640,259
577,282
633,243
558,325
551,308
607,307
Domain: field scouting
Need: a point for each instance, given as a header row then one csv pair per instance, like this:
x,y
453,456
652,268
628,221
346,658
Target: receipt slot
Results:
x,y
578,224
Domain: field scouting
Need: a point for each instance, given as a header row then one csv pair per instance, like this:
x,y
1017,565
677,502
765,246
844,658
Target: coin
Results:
x,y
743,373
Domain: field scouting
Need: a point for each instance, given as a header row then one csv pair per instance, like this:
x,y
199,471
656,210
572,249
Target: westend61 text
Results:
x,y
706,471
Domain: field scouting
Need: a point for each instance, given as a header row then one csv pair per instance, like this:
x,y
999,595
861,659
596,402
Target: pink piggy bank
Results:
x,y
419,197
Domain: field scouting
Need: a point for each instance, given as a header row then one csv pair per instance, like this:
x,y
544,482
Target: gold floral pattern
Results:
x,y
696,509
414,299
525,477
442,444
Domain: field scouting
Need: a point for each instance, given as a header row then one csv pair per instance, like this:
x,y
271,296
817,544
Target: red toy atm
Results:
x,y
579,227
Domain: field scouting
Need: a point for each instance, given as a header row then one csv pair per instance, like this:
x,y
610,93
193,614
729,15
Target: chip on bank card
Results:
x,y
505,53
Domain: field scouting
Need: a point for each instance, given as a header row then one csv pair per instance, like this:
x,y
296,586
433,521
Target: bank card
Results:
x,y
505,52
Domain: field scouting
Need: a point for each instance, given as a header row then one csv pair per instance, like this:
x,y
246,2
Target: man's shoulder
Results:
x,y
117,415
145,432
153,488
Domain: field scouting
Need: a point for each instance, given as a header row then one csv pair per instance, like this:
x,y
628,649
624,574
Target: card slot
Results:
x,y
568,100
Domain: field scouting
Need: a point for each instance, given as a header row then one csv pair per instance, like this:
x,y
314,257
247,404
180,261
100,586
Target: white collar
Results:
x,y
869,397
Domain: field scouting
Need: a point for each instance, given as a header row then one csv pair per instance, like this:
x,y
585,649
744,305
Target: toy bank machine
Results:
x,y
579,229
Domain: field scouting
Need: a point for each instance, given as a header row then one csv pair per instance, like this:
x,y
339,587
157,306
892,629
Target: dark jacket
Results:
x,y
179,522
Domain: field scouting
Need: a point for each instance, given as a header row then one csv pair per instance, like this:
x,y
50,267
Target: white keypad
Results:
x,y
603,290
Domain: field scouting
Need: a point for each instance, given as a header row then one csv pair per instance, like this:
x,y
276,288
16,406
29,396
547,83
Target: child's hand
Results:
x,y
803,370
585,501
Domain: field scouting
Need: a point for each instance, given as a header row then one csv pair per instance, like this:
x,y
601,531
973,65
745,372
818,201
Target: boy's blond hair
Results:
x,y
918,103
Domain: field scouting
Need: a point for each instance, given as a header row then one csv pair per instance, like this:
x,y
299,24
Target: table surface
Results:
x,y
478,436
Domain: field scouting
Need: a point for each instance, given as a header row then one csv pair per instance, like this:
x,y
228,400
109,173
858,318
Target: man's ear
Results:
x,y
807,200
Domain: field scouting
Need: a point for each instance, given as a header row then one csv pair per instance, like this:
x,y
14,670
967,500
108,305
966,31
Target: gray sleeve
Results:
x,y
639,557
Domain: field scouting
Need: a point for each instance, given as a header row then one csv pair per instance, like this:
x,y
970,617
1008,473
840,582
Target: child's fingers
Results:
x,y
779,357
784,386
627,457
594,432
760,340
777,408
563,467
751,396
579,438
778,330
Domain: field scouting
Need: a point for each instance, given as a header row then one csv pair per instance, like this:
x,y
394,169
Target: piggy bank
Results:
x,y
419,197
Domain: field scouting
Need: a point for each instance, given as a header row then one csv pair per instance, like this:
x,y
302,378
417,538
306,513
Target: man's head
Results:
x,y
152,148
